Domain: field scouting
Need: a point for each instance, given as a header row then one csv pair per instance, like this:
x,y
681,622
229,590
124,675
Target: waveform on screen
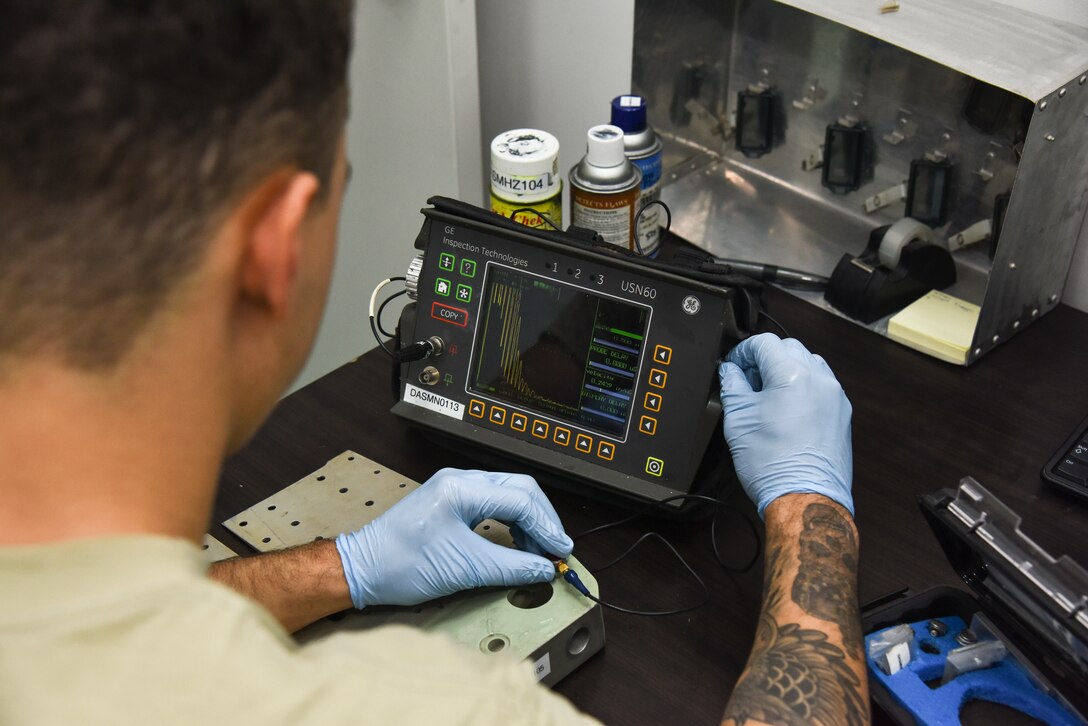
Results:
x,y
509,300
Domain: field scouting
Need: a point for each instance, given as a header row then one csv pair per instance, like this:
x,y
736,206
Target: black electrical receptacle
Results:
x,y
928,191
687,86
986,106
848,157
758,121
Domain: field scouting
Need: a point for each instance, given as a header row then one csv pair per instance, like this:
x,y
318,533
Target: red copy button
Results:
x,y
447,314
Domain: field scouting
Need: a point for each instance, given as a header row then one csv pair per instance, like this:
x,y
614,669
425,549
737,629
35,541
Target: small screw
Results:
x,y
1053,298
936,628
978,351
1082,79
1042,105
1061,93
1015,324
1035,312
1012,265
997,338
966,637
1049,137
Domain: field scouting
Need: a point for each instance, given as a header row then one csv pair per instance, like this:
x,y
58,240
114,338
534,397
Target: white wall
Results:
x,y
414,132
554,66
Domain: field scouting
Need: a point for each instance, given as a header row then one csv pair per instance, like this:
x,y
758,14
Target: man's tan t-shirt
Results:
x,y
129,630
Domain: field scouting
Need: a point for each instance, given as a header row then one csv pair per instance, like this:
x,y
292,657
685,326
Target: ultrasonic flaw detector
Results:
x,y
587,362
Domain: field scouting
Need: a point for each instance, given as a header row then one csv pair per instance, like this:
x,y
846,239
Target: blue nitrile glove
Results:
x,y
787,422
424,546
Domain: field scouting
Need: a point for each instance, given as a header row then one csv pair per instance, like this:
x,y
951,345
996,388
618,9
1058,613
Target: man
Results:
x,y
170,181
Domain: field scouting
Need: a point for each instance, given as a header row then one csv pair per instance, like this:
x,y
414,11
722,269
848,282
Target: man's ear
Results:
x,y
273,239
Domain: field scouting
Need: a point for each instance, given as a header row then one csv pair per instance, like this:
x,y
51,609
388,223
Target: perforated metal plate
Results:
x,y
214,550
345,494
551,624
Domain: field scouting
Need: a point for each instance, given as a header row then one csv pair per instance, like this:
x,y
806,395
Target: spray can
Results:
x,y
525,176
604,187
643,148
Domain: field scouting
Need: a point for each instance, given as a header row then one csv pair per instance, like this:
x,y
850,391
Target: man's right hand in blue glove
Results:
x,y
787,422
424,546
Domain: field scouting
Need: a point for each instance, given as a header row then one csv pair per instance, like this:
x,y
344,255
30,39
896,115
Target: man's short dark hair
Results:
x,y
126,129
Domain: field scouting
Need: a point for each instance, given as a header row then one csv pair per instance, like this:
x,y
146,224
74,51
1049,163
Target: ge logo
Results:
x,y
691,305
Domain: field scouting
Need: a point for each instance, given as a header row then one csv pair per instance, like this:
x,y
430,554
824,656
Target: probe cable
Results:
x,y
780,326
552,224
381,309
571,576
375,324
638,217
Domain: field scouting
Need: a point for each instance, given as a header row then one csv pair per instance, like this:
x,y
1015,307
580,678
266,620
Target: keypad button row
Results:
x,y
542,429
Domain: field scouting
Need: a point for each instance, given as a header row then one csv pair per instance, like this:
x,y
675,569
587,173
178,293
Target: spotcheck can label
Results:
x,y
525,181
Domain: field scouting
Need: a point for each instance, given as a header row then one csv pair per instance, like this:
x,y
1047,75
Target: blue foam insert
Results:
x,y
1006,683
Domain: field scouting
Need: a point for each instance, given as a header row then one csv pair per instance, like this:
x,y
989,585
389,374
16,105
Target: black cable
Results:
x,y
719,504
374,326
530,209
758,550
668,223
378,317
780,326
654,613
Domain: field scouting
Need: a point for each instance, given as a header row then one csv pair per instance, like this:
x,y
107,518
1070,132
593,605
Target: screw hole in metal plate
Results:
x,y
530,596
494,643
578,641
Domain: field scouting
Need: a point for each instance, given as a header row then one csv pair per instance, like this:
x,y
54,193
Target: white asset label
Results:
x,y
543,667
439,404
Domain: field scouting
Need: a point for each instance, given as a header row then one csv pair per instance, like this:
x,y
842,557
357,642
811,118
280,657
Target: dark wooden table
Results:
x,y
919,425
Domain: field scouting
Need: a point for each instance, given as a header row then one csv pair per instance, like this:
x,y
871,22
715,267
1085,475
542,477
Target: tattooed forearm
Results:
x,y
797,677
829,564
801,671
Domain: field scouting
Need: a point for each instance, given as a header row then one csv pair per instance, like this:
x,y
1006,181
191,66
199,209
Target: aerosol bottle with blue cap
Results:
x,y
643,147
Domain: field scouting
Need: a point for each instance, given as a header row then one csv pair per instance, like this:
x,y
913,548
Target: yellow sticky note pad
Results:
x,y
937,324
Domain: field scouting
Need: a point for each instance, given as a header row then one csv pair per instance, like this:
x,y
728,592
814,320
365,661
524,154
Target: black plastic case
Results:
x,y
1038,603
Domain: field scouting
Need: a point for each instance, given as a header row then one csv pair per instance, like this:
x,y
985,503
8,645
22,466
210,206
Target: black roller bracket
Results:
x,y
997,112
986,106
928,191
687,86
848,157
760,121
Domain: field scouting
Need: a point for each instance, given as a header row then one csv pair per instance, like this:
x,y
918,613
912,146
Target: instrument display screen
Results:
x,y
561,350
